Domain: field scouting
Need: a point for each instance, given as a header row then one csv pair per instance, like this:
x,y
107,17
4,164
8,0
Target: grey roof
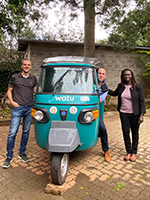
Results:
x,y
74,59
23,43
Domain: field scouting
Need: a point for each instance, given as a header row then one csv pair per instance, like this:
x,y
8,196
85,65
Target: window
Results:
x,y
66,79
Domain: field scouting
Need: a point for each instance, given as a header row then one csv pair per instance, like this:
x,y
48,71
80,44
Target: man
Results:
x,y
101,74
20,94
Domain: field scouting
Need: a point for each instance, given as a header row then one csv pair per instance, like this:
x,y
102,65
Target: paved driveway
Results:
x,y
89,176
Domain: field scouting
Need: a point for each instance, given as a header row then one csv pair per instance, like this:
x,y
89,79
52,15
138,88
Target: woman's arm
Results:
x,y
141,119
113,93
141,104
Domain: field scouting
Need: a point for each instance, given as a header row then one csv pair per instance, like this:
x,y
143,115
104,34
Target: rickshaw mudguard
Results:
x,y
63,137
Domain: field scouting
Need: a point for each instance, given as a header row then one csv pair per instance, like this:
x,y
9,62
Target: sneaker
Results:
x,y
7,163
23,157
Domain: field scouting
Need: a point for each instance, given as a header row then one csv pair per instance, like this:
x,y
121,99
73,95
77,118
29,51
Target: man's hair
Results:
x,y
133,81
99,68
25,59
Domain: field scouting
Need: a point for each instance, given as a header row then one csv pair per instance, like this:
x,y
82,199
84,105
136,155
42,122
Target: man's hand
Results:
x,y
14,104
141,119
9,94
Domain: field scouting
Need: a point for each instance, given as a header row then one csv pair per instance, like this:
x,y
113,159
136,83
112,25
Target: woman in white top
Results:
x,y
131,106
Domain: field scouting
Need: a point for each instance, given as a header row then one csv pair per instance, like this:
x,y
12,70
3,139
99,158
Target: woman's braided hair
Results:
x,y
133,81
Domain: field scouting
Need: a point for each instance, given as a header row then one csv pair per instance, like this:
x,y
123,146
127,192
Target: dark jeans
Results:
x,y
17,114
130,121
103,135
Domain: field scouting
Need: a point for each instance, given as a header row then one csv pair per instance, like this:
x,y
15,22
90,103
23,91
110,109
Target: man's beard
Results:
x,y
26,72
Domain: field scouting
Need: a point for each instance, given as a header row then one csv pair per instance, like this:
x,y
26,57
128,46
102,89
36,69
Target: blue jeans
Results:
x,y
16,116
103,135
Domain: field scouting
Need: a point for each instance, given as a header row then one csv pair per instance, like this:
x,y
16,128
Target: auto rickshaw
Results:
x,y
66,109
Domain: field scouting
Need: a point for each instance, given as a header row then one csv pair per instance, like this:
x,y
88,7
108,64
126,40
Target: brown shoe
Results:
x,y
127,157
107,156
133,157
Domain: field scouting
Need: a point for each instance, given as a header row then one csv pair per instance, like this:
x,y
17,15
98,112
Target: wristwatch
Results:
x,y
142,113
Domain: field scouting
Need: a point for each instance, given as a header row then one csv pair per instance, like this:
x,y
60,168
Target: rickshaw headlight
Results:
x,y
89,117
38,115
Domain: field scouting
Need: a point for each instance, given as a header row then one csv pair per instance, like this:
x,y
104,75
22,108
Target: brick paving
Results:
x,y
89,176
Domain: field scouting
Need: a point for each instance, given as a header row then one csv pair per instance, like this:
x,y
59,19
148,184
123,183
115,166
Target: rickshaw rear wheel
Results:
x,y
59,167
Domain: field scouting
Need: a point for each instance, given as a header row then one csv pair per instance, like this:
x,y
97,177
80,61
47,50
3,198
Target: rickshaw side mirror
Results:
x,y
104,88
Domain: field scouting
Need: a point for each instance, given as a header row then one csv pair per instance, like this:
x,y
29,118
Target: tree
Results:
x,y
10,58
133,30
10,62
15,15
89,28
106,12
146,59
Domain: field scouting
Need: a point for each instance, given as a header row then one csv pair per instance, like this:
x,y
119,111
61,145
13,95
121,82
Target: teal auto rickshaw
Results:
x,y
66,109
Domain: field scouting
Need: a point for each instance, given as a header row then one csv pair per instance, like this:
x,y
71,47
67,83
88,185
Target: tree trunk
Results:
x,y
89,28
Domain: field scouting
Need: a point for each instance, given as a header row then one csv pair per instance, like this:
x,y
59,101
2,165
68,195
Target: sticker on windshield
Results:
x,y
84,98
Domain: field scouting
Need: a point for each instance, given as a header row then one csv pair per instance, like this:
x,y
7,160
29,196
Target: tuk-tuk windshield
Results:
x,y
78,80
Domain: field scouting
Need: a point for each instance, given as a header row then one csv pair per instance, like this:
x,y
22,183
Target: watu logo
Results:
x,y
64,98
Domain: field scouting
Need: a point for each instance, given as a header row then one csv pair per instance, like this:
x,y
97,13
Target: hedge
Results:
x,y
5,76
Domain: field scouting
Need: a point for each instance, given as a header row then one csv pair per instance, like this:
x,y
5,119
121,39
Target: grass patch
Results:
x,y
5,111
147,105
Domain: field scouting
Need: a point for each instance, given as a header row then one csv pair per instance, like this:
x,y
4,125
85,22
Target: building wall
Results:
x,y
113,62
38,52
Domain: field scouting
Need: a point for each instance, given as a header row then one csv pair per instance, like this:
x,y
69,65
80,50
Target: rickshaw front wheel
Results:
x,y
59,167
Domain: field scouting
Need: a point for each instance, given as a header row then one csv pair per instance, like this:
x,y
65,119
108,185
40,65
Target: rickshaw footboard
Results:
x,y
63,137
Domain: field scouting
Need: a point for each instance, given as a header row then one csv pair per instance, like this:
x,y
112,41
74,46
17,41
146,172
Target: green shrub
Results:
x,y
146,59
5,76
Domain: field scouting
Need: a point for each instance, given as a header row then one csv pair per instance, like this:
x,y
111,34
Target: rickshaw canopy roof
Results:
x,y
74,59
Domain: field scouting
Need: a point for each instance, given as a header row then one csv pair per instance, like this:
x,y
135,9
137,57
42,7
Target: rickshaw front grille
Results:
x,y
60,124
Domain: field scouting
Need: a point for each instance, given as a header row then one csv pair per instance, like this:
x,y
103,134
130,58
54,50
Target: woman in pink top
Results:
x,y
131,106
